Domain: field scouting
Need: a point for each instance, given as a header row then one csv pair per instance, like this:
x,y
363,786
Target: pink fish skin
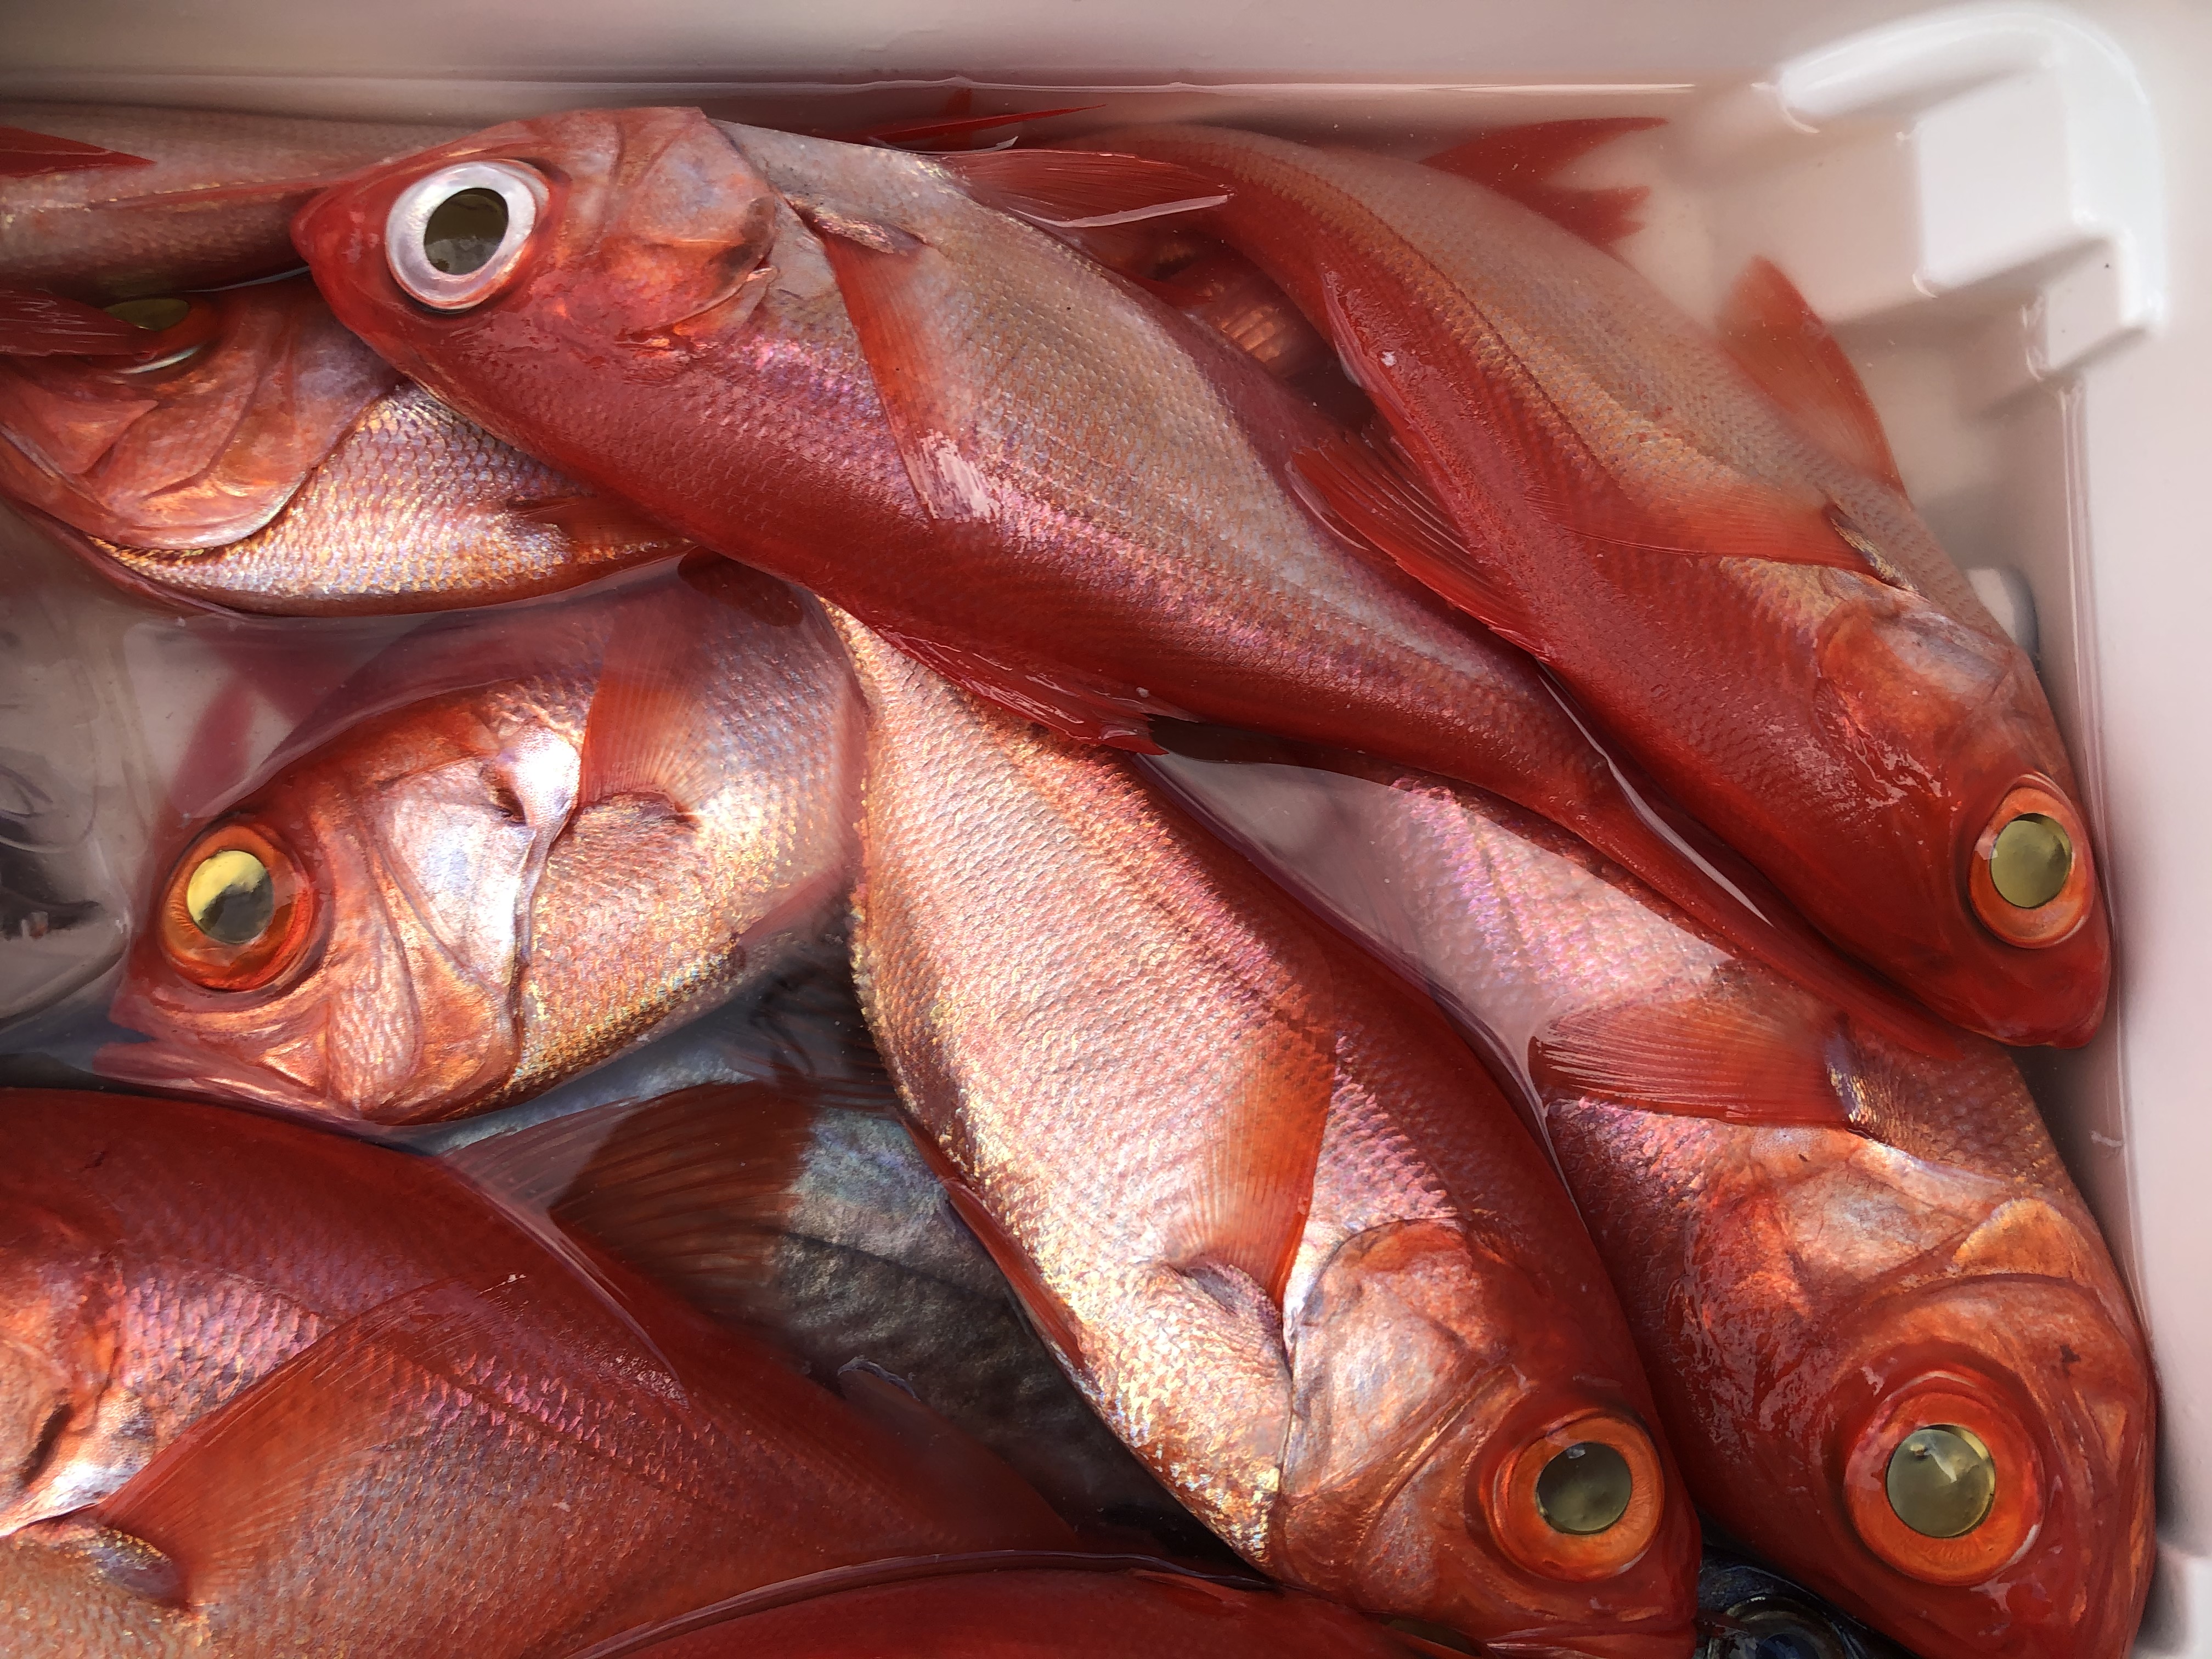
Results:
x,y
1761,619
1271,1215
166,198
838,364
254,1357
1824,1244
510,848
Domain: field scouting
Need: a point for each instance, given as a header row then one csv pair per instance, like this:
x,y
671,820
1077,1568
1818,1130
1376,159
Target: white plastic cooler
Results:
x,y
2005,209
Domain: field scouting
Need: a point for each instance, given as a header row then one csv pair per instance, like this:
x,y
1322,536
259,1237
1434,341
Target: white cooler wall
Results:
x,y
2008,209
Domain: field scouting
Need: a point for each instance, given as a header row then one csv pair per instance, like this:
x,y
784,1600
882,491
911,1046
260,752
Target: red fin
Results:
x,y
952,1461
693,1190
1043,1305
35,324
26,154
954,127
598,521
1519,162
1368,495
1785,346
1088,715
1517,447
1748,1055
1082,190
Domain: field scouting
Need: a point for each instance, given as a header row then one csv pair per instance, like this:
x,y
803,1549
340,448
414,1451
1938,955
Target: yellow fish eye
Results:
x,y
153,315
231,897
2030,861
1941,1480
2030,876
1584,1489
238,911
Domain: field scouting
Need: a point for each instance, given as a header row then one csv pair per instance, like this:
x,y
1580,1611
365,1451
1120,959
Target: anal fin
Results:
x,y
1088,713
1782,343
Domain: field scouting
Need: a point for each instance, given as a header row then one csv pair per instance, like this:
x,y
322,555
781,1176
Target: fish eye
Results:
x,y
1580,1501
1941,1480
1584,1489
235,912
1944,1485
177,329
2030,880
1771,1626
456,237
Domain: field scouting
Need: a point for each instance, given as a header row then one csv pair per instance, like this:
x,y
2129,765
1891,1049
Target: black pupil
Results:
x,y
465,231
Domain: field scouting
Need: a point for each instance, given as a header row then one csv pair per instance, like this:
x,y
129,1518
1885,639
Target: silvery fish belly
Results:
x,y
503,853
1268,1211
1887,1339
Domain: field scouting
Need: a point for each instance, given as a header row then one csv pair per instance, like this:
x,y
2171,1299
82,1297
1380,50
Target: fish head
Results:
x,y
347,939
625,241
2007,935
1458,1456
1986,1446
58,1354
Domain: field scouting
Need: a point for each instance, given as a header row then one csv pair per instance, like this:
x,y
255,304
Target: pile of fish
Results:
x,y
1154,894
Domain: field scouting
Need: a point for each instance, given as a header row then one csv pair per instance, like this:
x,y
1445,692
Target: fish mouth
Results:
x,y
175,1069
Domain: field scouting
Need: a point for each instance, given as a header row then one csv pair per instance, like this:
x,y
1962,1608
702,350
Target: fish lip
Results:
x,y
170,1066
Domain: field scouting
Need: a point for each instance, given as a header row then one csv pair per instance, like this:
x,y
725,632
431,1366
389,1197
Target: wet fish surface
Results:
x,y
623,808
1887,1338
835,362
1270,1213
220,1409
1732,582
172,199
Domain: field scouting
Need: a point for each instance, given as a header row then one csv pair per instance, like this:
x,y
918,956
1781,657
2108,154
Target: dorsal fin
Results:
x,y
25,155
1081,189
1783,344
1521,161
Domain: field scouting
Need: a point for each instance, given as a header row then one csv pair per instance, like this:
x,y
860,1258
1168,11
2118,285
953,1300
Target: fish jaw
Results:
x,y
1425,1361
653,225
1783,1340
421,840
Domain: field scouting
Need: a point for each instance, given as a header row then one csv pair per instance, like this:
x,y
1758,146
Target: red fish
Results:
x,y
1271,1214
510,848
250,454
1709,544
368,1362
1014,1609
244,393
104,203
838,364
1889,1345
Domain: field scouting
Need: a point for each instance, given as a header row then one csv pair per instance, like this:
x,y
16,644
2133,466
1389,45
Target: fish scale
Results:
x,y
1811,1228
1762,620
1006,460
1270,1214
